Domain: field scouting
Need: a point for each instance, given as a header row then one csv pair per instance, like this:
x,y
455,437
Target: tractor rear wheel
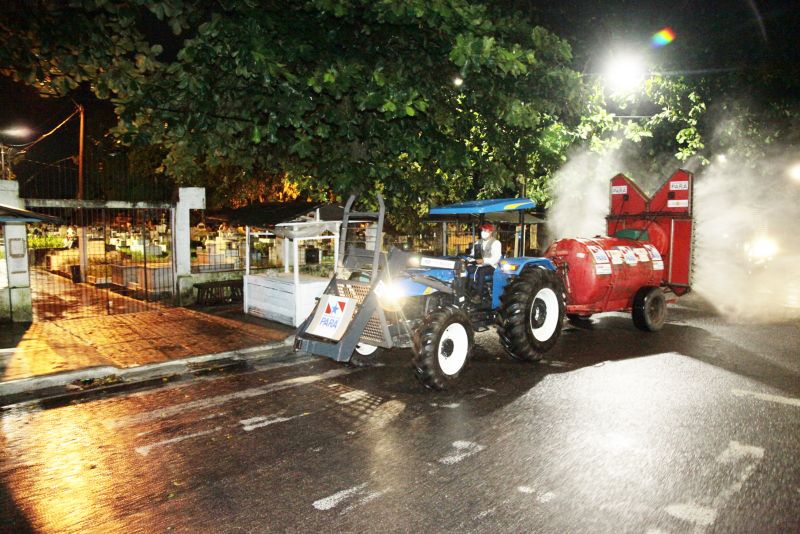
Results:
x,y
531,314
649,309
442,346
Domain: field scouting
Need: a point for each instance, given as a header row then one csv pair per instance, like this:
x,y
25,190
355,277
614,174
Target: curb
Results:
x,y
38,387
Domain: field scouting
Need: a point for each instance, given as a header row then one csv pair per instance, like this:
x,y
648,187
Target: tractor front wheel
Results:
x,y
367,350
442,346
649,309
531,314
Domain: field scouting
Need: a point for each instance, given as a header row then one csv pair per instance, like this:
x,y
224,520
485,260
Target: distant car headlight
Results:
x,y
761,249
390,296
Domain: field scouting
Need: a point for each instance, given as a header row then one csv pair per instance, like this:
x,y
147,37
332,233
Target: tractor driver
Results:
x,y
487,252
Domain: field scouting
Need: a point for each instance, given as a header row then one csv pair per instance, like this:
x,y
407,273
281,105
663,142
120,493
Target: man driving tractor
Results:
x,y
487,252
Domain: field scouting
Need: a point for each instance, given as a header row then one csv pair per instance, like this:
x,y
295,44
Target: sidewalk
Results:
x,y
108,345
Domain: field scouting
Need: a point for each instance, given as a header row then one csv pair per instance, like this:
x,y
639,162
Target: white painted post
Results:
x,y
297,292
296,261
189,198
285,255
245,296
15,300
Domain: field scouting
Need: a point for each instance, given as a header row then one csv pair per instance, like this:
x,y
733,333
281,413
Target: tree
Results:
x,y
342,95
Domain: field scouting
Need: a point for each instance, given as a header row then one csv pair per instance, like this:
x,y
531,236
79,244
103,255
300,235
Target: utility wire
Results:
x,y
53,164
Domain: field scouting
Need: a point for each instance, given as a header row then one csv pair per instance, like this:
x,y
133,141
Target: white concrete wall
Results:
x,y
15,300
189,198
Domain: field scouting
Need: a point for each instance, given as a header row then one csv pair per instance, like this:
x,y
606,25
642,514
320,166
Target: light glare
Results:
x,y
762,248
794,172
624,73
17,131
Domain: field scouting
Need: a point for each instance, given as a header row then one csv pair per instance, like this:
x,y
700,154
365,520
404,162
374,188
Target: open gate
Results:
x,y
125,265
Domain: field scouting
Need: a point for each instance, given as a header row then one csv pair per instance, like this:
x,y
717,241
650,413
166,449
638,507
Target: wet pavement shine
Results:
x,y
691,429
128,340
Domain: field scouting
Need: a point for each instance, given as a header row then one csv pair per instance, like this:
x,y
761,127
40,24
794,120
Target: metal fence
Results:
x,y
125,266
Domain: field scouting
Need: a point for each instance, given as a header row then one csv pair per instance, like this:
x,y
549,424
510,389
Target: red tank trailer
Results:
x,y
646,261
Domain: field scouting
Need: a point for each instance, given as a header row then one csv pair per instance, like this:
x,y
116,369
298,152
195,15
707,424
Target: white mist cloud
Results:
x,y
747,245
580,191
737,204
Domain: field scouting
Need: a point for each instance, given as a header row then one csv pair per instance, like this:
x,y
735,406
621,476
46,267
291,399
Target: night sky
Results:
x,y
710,36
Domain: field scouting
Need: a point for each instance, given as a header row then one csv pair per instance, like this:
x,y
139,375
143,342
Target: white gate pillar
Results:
x,y
15,298
189,198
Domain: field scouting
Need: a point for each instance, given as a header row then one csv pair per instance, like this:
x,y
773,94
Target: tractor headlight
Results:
x,y
507,267
390,296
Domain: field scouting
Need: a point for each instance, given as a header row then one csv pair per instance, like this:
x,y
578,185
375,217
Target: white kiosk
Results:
x,y
289,297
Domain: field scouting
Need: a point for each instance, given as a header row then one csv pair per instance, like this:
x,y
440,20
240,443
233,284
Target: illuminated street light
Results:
x,y
624,72
5,152
17,131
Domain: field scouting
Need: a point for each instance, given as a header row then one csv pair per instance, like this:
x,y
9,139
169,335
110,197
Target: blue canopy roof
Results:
x,y
475,207
10,214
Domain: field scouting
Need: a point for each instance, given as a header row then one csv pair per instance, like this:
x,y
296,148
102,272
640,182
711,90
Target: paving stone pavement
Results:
x,y
126,340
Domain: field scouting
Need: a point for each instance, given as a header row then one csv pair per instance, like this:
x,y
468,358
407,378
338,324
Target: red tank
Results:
x,y
604,273
650,247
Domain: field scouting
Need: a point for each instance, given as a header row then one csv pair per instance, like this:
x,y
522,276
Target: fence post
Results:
x,y
189,198
15,300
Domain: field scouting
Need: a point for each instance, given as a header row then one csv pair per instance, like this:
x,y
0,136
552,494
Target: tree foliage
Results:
x,y
342,95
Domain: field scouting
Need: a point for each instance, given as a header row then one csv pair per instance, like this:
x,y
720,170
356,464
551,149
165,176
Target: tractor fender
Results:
x,y
418,282
510,268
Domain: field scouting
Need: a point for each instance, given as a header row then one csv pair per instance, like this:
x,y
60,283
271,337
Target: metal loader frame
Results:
x,y
369,323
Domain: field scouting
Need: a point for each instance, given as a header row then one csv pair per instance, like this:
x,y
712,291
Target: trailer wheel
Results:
x,y
531,314
442,346
649,309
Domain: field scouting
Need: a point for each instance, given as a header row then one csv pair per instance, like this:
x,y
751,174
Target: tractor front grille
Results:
x,y
353,290
373,332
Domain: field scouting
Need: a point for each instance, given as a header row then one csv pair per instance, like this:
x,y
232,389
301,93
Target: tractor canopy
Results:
x,y
512,216
485,206
501,210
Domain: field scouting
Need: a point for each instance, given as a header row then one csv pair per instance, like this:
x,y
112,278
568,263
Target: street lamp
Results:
x,y
18,132
624,72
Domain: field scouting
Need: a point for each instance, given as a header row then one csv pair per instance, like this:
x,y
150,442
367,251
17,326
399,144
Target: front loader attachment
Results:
x,y
347,313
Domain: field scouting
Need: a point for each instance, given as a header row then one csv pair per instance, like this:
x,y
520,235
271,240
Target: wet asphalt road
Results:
x,y
694,428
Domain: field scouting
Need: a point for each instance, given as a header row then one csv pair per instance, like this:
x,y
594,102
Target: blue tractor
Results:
x,y
399,299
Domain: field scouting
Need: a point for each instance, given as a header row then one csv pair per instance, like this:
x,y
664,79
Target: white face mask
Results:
x,y
485,234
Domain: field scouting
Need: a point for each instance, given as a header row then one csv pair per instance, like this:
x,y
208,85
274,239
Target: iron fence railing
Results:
x,y
126,264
